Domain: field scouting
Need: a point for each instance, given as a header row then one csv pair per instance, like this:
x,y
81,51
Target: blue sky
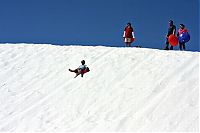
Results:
x,y
96,22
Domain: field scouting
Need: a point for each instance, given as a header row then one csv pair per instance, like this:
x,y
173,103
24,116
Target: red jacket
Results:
x,y
128,32
180,31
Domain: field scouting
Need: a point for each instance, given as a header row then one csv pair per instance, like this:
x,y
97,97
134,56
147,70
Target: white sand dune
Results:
x,y
127,89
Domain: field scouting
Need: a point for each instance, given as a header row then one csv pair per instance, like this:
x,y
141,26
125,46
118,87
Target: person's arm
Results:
x,y
177,34
124,34
167,34
174,30
133,34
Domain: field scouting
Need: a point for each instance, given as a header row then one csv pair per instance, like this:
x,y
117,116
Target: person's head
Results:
x,y
83,62
171,22
182,26
129,24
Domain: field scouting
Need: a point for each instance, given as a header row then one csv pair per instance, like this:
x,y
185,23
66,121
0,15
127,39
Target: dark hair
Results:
x,y
83,62
182,25
171,21
129,23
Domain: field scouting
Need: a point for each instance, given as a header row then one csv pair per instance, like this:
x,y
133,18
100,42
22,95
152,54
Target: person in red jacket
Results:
x,y
128,35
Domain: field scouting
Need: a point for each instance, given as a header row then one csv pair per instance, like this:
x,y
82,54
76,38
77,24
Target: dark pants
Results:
x,y
128,44
76,70
167,46
182,46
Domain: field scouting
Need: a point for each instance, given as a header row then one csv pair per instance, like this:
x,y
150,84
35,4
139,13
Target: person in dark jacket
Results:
x,y
171,30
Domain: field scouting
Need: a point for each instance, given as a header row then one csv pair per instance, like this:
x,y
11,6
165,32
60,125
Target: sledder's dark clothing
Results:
x,y
80,70
182,45
171,30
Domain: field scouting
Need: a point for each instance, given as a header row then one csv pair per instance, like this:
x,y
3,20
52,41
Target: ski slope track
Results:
x,y
127,89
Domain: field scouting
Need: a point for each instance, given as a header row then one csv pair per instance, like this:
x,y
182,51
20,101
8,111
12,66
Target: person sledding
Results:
x,y
82,69
128,35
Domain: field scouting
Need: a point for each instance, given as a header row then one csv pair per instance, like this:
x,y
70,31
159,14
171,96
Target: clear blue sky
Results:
x,y
96,22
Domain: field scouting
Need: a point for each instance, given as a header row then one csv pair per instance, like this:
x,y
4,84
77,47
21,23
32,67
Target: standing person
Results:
x,y
81,69
180,31
128,35
171,30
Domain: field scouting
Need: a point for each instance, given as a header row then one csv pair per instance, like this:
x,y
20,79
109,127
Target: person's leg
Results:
x,y
180,45
183,46
171,48
76,75
127,44
167,45
125,40
76,70
71,70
